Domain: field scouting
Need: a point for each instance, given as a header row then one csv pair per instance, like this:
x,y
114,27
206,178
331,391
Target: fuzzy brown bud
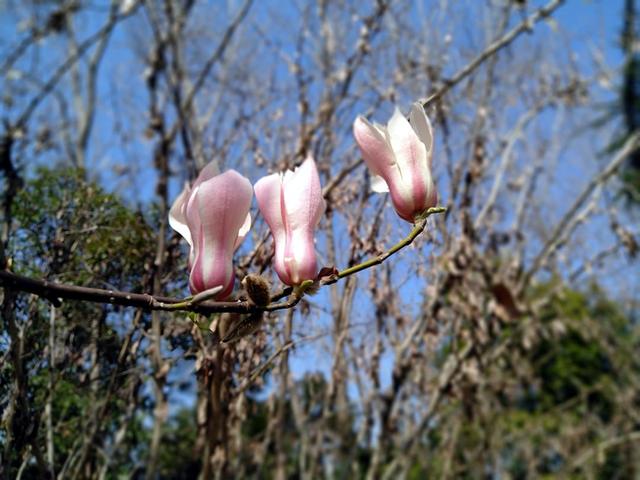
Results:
x,y
246,326
258,289
226,324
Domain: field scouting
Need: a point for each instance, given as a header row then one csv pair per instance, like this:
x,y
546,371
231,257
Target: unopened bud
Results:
x,y
246,326
227,323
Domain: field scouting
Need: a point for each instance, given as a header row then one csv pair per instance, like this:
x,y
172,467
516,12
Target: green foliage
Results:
x,y
70,230
178,459
574,363
73,229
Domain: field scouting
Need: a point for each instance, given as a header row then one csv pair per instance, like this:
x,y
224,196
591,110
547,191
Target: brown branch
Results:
x,y
55,291
217,56
337,180
83,47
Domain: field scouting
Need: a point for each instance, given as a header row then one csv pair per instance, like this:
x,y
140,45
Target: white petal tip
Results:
x,y
378,185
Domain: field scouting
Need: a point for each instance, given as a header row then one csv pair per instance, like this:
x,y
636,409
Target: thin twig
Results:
x,y
525,26
630,145
419,226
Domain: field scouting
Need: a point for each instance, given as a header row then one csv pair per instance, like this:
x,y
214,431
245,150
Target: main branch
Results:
x,y
55,292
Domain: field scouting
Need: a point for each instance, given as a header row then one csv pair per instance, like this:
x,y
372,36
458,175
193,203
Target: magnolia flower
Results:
x,y
399,156
213,217
292,205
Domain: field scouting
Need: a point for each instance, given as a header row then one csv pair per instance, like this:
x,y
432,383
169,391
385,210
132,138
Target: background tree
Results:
x,y
629,97
499,344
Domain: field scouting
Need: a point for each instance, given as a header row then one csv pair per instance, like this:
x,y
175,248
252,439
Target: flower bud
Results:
x,y
399,156
292,206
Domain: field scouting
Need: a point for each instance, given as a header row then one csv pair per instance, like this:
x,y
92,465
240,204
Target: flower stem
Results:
x,y
419,225
195,300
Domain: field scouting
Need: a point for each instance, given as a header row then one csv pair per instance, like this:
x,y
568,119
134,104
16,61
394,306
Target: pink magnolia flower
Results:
x,y
213,217
399,156
292,205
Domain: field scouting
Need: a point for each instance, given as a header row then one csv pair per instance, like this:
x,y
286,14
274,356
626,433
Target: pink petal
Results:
x,y
303,199
411,155
376,151
268,191
300,257
268,194
421,125
304,207
292,205
209,171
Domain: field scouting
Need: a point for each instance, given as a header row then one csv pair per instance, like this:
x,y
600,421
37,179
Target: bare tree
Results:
x,y
492,338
